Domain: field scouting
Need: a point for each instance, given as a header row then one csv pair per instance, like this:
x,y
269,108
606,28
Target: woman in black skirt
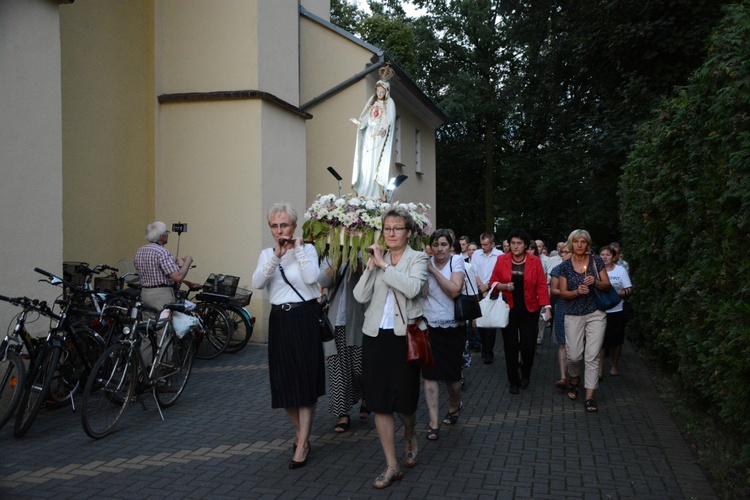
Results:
x,y
444,283
289,271
392,284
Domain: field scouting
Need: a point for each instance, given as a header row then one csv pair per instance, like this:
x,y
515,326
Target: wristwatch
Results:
x,y
386,267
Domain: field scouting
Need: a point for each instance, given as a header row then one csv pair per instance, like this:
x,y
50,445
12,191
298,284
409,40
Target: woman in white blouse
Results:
x,y
289,272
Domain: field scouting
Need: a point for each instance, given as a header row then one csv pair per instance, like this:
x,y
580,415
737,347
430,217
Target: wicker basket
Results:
x,y
108,284
221,284
241,297
71,274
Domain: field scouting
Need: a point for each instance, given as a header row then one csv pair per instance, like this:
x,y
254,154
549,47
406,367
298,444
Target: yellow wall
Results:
x,y
108,128
202,48
222,164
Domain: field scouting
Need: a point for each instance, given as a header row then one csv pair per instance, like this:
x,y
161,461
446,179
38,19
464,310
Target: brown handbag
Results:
x,y
418,347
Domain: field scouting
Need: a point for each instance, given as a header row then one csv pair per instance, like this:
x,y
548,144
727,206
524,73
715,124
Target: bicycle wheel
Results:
x,y
215,332
108,391
173,371
75,363
37,388
12,380
242,328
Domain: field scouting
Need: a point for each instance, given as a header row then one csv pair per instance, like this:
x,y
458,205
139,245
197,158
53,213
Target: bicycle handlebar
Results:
x,y
35,304
53,277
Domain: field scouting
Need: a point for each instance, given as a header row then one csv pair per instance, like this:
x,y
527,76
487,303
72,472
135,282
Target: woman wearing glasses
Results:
x,y
392,284
289,271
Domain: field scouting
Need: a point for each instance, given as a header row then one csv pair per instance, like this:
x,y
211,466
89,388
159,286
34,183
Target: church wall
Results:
x,y
108,128
31,230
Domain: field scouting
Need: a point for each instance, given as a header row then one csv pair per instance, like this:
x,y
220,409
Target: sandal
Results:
x,y
561,384
384,481
590,406
433,434
573,390
452,416
410,455
364,412
342,426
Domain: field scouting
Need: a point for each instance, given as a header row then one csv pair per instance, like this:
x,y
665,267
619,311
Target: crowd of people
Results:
x,y
372,306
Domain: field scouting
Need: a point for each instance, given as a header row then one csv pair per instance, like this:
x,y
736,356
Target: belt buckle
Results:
x,y
286,307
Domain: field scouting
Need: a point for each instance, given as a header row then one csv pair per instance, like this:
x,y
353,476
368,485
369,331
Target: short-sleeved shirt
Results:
x,y
439,308
620,280
154,264
583,304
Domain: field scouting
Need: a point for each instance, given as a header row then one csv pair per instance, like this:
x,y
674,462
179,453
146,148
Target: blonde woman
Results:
x,y
584,323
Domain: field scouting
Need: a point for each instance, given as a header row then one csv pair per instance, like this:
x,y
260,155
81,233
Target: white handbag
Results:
x,y
495,312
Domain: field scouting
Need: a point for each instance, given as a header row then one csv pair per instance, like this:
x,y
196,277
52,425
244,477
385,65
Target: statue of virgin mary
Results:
x,y
372,152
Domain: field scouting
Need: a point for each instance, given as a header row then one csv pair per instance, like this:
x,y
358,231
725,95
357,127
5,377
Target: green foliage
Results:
x,y
685,204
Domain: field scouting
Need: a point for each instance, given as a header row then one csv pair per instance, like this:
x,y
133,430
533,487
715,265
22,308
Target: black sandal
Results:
x,y
343,426
573,389
452,416
590,406
364,412
433,434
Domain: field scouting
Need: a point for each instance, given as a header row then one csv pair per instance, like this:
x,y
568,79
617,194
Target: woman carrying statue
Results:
x,y
372,152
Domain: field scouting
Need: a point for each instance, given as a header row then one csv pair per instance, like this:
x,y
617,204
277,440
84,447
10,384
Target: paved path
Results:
x,y
222,440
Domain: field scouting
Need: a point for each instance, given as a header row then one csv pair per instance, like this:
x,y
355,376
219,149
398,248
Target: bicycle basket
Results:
x,y
241,297
108,284
70,272
221,284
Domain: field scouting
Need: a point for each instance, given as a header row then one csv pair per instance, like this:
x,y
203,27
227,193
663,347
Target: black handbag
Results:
x,y
326,328
466,307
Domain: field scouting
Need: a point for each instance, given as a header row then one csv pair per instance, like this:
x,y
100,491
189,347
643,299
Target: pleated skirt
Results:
x,y
447,351
391,384
295,358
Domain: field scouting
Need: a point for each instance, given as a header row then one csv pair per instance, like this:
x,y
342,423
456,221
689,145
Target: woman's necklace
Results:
x,y
518,262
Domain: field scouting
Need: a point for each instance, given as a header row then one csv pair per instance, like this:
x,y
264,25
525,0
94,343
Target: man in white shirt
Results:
x,y
483,263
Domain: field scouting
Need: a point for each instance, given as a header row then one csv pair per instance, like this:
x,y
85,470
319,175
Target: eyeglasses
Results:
x,y
276,227
393,229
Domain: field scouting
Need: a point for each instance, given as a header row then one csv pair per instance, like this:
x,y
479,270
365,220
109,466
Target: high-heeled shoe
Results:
x,y
297,465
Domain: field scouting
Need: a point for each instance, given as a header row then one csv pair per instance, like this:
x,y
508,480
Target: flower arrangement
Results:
x,y
355,223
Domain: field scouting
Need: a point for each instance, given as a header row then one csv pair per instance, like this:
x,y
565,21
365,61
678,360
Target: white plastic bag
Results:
x,y
182,323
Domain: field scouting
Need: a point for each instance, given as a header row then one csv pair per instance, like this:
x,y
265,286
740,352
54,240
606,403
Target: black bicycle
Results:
x,y
17,348
63,361
151,356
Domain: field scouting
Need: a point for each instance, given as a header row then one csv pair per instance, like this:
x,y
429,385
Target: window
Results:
x,y
417,152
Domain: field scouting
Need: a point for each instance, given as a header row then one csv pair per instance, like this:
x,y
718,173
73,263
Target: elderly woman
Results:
x,y
392,283
521,279
614,335
558,325
584,323
448,338
289,271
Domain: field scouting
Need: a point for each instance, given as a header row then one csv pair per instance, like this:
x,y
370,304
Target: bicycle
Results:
x,y
64,358
121,375
17,347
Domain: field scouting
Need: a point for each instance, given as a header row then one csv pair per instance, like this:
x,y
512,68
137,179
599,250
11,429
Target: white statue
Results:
x,y
372,152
